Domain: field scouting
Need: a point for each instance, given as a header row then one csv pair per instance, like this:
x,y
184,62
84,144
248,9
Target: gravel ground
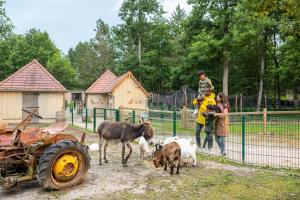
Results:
x,y
112,177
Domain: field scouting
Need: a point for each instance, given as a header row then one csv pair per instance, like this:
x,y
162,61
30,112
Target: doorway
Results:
x,y
30,101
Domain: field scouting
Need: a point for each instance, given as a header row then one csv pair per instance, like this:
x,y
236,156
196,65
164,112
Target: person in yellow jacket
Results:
x,y
209,99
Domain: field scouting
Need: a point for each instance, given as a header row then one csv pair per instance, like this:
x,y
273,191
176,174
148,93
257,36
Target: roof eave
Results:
x,y
27,90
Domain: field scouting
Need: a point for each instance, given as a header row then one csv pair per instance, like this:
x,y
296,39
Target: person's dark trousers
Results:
x,y
208,139
221,143
197,133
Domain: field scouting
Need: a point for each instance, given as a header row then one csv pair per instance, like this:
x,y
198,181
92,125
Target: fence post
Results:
x,y
72,116
104,115
265,121
94,121
133,116
174,123
86,117
243,138
117,115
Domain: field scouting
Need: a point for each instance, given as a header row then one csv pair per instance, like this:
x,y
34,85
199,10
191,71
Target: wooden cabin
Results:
x,y
111,91
31,87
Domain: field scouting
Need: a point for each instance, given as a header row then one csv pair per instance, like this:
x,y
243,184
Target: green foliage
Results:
x,y
18,50
84,60
5,24
166,53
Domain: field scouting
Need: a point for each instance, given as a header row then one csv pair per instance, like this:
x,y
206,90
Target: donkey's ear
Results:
x,y
143,121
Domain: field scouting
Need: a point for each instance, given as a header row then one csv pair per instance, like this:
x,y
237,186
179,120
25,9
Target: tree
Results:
x,y
137,15
5,23
18,50
60,67
103,46
262,21
83,59
179,48
211,44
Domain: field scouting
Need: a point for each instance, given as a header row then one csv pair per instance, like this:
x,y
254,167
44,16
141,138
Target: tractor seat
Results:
x,y
55,128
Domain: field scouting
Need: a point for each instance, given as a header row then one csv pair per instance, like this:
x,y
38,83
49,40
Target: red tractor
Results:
x,y
58,160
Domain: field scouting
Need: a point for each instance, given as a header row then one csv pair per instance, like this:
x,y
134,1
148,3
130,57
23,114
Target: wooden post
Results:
x,y
265,120
184,117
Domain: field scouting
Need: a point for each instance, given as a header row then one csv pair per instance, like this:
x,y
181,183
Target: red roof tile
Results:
x,y
108,82
33,77
100,85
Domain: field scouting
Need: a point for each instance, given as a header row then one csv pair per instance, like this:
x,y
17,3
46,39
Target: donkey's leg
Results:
x,y
123,153
130,151
100,147
105,149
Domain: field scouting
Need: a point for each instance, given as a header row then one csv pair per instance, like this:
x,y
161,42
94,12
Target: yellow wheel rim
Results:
x,y
65,167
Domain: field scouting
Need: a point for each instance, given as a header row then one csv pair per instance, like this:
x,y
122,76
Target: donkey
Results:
x,y
124,133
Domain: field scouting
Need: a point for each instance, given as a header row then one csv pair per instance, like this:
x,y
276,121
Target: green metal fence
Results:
x,y
256,138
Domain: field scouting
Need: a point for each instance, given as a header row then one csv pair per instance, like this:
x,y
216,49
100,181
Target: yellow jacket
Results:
x,y
208,100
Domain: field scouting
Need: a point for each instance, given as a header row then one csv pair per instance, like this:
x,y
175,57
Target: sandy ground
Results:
x,y
108,178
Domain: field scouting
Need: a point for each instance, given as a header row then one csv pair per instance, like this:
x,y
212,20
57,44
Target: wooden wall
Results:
x,y
10,105
129,94
96,101
50,103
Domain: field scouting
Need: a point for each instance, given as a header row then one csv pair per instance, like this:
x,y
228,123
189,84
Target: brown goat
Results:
x,y
169,154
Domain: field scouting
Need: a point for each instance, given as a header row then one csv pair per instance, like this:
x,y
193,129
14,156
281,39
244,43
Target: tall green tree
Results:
x,y
215,35
104,46
5,23
83,59
264,22
137,15
179,47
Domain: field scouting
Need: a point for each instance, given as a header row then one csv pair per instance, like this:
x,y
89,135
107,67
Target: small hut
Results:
x,y
31,87
111,91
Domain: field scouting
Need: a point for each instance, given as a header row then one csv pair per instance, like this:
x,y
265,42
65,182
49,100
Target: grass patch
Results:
x,y
217,183
283,128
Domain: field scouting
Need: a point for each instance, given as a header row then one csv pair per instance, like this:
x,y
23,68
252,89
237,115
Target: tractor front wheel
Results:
x,y
63,165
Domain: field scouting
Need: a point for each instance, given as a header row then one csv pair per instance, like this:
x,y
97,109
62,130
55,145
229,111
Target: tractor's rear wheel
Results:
x,y
63,165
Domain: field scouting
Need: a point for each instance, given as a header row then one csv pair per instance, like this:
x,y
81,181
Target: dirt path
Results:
x,y
111,179
101,180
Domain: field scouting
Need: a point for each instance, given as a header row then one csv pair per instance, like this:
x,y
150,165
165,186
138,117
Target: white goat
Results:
x,y
144,147
169,139
94,147
187,150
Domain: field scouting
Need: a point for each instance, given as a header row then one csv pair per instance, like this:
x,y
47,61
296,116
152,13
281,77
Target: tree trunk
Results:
x,y
225,51
225,75
139,50
261,83
277,76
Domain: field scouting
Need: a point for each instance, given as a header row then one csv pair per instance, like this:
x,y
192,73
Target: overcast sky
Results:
x,y
69,21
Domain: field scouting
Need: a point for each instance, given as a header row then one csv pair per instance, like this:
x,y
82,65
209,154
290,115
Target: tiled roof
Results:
x,y
100,85
33,77
108,82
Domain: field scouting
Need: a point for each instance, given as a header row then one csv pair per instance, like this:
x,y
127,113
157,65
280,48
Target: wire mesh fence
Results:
x,y
256,138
